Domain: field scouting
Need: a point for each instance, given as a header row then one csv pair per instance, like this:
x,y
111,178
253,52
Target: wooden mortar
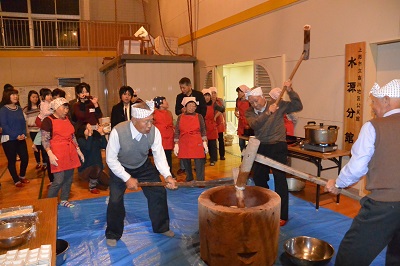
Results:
x,y
239,236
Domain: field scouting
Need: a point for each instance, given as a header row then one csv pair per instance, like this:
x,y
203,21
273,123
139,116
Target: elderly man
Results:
x,y
266,118
127,158
375,154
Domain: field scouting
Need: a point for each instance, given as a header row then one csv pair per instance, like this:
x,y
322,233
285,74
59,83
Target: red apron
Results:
x,y
211,126
62,146
242,106
163,121
221,118
190,142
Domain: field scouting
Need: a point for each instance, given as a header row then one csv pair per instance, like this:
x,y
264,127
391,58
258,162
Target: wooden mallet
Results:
x,y
304,56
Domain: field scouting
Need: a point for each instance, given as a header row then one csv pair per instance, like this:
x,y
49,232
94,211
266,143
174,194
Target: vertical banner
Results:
x,y
353,92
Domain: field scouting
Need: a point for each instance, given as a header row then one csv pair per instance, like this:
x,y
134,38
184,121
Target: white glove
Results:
x,y
205,147
81,155
52,158
176,149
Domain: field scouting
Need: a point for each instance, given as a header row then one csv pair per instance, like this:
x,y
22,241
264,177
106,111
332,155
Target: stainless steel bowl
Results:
x,y
305,251
295,184
14,234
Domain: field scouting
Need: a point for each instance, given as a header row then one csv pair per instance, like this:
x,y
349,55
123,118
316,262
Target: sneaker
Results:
x,y
24,180
19,184
94,191
67,204
222,158
111,242
44,167
169,233
212,163
38,166
282,222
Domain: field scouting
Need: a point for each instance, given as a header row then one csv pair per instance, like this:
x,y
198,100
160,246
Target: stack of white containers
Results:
x,y
27,257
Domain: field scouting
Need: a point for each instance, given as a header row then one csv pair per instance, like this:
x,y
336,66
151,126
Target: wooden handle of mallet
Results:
x,y
249,155
304,56
209,183
314,179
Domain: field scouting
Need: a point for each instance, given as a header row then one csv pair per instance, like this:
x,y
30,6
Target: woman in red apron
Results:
x,y
211,127
164,122
59,141
191,139
244,131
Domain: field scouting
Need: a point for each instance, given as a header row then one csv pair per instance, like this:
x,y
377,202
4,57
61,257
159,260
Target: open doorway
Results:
x,y
226,78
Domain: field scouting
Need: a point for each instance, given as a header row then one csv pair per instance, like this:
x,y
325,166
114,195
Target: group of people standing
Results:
x,y
52,128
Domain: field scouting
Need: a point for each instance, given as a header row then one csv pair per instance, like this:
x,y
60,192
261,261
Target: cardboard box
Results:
x,y
161,48
134,47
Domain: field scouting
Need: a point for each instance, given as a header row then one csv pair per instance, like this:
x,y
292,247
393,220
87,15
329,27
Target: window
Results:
x,y
55,23
68,82
18,6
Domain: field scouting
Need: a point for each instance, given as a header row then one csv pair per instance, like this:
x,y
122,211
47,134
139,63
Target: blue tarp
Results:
x,y
83,227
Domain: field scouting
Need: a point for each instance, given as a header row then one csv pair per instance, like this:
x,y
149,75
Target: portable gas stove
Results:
x,y
320,147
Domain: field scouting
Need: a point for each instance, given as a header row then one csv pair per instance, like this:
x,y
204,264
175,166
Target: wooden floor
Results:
x,y
222,169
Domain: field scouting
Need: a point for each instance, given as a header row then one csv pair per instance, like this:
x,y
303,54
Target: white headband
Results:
x,y
189,99
57,103
244,88
392,89
213,89
254,92
275,92
143,113
204,91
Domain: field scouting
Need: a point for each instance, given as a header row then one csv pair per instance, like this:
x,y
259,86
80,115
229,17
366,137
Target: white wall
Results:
x,y
388,63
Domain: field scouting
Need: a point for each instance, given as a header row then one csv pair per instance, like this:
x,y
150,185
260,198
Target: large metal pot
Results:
x,y
320,134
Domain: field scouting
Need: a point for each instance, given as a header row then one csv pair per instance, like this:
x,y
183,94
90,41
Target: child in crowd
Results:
x,y
164,122
191,139
31,111
211,127
45,110
91,142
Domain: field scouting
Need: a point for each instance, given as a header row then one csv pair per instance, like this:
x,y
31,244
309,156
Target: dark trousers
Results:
x,y
199,164
221,145
376,226
45,157
39,147
212,149
168,154
11,149
156,200
242,144
277,152
91,175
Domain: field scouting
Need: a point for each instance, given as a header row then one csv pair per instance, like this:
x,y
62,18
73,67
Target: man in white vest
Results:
x,y
127,157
